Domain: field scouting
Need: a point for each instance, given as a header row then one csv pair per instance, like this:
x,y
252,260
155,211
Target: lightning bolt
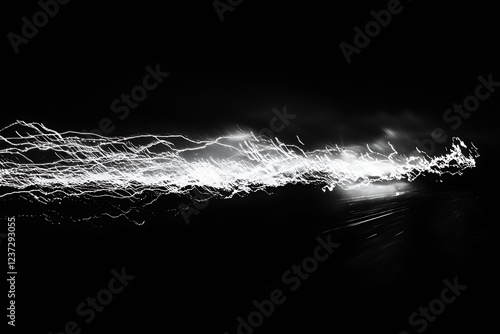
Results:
x,y
48,166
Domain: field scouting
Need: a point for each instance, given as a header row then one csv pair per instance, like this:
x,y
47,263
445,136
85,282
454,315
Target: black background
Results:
x,y
264,55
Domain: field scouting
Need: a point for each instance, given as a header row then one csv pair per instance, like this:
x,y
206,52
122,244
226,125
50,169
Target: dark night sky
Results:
x,y
264,55
234,72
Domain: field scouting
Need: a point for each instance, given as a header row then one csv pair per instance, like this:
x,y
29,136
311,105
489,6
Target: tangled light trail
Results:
x,y
48,165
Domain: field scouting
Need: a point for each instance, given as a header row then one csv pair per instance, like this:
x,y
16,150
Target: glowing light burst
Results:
x,y
48,165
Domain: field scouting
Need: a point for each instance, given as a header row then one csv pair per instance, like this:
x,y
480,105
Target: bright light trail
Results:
x,y
49,165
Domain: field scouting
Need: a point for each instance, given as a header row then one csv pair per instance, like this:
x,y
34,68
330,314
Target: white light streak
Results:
x,y
49,165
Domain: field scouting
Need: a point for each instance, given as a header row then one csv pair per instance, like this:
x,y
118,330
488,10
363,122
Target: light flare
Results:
x,y
49,165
